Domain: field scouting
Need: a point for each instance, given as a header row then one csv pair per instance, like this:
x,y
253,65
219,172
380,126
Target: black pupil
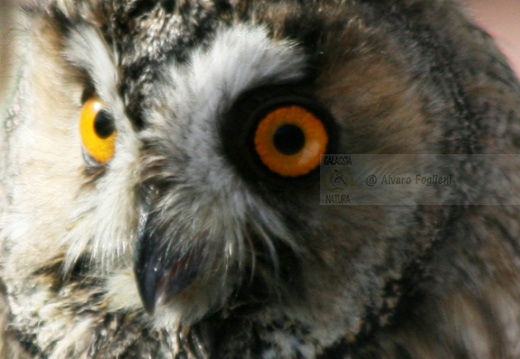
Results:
x,y
104,124
289,139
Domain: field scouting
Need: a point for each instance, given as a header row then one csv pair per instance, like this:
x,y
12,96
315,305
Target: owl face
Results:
x,y
170,150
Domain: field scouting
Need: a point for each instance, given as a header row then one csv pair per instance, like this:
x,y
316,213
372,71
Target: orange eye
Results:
x,y
290,141
97,131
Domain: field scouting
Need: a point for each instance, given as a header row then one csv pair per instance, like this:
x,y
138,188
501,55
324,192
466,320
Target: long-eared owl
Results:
x,y
161,178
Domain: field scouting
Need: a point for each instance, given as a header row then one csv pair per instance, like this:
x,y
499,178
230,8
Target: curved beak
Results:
x,y
161,271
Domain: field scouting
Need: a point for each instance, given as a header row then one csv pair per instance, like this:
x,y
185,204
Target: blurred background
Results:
x,y
501,18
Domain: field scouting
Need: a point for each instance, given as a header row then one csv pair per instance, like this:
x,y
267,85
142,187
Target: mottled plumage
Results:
x,y
183,244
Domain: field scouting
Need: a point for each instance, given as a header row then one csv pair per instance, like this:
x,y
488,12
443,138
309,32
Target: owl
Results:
x,y
161,182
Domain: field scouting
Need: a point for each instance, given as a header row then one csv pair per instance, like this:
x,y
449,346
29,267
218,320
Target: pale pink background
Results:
x,y
501,18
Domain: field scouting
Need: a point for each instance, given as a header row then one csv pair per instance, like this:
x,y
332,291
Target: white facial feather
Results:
x,y
110,204
240,58
86,49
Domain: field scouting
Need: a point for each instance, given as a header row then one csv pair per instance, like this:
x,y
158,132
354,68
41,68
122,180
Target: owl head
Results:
x,y
170,151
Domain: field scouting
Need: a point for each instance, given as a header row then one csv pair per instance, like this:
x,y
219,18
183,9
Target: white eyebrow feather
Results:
x,y
86,49
239,58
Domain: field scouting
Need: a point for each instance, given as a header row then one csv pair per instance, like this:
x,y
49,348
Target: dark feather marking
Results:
x,y
176,28
77,276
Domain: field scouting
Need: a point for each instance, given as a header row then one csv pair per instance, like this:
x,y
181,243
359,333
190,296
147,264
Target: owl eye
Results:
x,y
97,131
290,141
278,134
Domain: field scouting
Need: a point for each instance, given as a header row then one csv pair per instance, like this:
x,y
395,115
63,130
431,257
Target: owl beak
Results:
x,y
161,274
